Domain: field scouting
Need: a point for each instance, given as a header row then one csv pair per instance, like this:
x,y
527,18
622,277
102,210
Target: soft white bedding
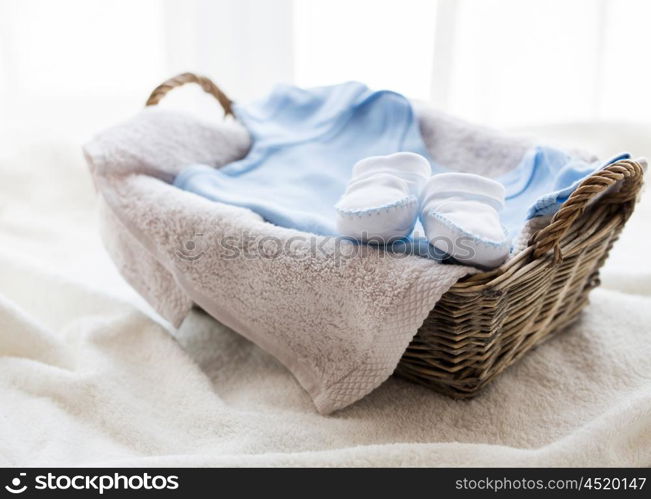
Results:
x,y
89,376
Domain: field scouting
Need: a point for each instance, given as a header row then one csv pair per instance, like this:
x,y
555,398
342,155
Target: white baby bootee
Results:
x,y
382,200
460,215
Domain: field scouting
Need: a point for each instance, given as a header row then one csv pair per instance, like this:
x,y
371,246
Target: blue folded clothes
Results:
x,y
306,141
542,182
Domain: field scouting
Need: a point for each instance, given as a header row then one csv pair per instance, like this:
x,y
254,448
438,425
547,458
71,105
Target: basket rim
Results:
x,y
545,243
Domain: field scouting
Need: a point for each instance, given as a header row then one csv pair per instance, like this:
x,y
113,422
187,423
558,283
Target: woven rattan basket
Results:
x,y
487,321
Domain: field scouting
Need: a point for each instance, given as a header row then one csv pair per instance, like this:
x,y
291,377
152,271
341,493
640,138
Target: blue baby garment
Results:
x,y
542,182
306,141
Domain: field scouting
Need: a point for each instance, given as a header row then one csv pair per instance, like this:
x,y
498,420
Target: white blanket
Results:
x,y
90,376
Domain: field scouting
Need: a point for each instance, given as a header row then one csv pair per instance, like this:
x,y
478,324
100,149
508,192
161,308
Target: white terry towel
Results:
x,y
338,316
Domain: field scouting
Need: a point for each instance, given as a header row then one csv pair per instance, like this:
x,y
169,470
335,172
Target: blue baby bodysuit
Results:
x,y
306,141
542,182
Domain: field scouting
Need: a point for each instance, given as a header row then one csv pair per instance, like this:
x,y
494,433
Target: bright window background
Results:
x,y
529,62
383,43
74,66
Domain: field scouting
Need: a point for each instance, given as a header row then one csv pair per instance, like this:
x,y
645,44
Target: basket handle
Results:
x,y
206,84
628,171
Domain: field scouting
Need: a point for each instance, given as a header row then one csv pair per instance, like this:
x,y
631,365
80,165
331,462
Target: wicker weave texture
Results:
x,y
487,322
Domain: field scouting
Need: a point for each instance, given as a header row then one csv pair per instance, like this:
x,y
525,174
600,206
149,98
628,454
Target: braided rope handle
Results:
x,y
206,84
628,171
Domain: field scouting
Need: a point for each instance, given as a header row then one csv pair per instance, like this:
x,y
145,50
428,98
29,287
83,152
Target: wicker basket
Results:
x,y
487,321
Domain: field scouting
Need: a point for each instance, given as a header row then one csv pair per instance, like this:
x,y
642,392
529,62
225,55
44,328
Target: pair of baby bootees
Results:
x,y
459,211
